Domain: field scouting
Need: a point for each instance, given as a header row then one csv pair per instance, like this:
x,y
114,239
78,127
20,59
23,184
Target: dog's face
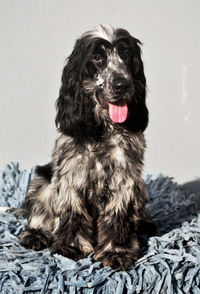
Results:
x,y
105,76
109,70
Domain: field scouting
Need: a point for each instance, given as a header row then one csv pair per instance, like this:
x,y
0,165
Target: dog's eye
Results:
x,y
97,58
126,53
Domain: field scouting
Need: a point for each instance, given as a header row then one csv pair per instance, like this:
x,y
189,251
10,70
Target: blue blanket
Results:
x,y
170,262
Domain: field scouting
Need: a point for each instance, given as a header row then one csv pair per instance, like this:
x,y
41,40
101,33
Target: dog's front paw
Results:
x,y
35,239
117,260
67,251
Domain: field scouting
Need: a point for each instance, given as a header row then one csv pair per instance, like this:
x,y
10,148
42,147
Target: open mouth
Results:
x,y
118,111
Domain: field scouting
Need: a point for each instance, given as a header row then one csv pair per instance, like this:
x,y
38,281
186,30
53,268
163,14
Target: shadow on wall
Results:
x,y
192,186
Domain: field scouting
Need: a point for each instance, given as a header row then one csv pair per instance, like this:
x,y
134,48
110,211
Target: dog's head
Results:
x,y
103,84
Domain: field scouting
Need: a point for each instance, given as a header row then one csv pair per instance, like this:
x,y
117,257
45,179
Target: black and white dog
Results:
x,y
91,197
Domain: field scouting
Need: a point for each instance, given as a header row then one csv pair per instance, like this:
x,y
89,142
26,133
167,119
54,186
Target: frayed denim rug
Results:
x,y
170,262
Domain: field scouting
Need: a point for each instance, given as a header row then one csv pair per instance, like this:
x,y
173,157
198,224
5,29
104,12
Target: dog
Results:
x,y
91,197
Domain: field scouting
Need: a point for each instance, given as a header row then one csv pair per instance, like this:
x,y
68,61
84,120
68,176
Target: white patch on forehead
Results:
x,y
103,31
114,58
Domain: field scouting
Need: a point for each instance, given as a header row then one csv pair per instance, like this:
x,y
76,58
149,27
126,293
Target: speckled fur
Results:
x,y
91,197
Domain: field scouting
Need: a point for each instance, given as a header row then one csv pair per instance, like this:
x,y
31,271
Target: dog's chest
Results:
x,y
103,163
93,170
108,165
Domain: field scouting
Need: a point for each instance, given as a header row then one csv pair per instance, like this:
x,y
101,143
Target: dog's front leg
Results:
x,y
73,236
118,244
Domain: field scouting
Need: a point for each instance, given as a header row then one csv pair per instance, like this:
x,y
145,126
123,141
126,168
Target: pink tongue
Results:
x,y
118,113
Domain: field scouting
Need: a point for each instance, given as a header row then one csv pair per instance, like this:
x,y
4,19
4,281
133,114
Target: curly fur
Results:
x,y
91,197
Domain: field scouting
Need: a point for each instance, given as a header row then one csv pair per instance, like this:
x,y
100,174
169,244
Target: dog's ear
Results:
x,y
138,120
74,108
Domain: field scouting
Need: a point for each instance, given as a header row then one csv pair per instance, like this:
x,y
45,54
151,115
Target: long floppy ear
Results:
x,y
138,120
74,108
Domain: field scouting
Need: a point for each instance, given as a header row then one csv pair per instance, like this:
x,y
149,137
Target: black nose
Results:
x,y
120,85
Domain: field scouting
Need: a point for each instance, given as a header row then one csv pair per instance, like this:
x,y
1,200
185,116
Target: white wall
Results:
x,y
37,35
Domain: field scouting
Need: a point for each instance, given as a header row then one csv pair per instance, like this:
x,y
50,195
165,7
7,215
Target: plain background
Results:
x,y
36,36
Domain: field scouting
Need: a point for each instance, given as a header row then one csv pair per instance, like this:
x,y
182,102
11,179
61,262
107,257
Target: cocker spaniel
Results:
x,y
91,197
